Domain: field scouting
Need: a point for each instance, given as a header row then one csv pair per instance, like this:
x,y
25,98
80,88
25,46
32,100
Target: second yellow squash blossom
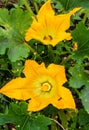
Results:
x,y
41,86
48,27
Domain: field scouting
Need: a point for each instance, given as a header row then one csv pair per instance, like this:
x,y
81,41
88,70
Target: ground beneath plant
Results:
x,y
6,4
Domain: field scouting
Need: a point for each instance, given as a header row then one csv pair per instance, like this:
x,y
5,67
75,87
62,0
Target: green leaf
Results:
x,y
23,120
16,113
42,121
86,127
4,119
19,109
85,98
78,77
83,117
81,36
18,52
68,4
17,68
4,17
13,26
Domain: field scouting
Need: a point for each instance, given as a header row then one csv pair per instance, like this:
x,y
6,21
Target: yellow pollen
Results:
x,y
48,37
46,87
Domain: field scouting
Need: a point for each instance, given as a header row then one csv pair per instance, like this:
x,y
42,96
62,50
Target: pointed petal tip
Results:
x,y
49,1
74,11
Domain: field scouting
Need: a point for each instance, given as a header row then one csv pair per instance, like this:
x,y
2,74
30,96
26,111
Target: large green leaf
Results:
x,y
13,26
78,77
83,117
81,36
23,120
20,110
85,98
18,52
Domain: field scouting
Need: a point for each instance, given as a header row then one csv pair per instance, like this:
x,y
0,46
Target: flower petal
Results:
x,y
64,20
66,99
58,73
60,36
74,11
45,10
35,31
35,105
17,88
31,68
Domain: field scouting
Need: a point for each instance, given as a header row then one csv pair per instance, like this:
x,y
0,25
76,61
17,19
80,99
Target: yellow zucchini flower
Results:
x,y
48,27
42,86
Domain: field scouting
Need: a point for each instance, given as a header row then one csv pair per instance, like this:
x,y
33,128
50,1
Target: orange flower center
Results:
x,y
48,37
46,87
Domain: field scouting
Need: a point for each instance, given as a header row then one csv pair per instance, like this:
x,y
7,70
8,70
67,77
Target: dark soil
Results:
x,y
7,3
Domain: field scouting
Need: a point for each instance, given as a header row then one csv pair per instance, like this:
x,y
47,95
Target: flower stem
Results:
x,y
32,50
28,7
57,123
85,16
36,7
50,53
53,118
26,120
6,3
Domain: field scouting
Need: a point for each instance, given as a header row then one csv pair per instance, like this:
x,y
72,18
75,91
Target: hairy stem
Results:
x,y
28,7
57,123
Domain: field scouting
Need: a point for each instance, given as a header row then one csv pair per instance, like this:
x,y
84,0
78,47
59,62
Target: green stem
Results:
x,y
6,3
66,59
26,120
67,4
78,93
36,7
85,17
49,49
30,48
54,125
28,7
33,51
57,124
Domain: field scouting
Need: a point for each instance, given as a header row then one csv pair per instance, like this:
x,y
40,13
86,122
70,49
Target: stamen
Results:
x,y
47,37
46,87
